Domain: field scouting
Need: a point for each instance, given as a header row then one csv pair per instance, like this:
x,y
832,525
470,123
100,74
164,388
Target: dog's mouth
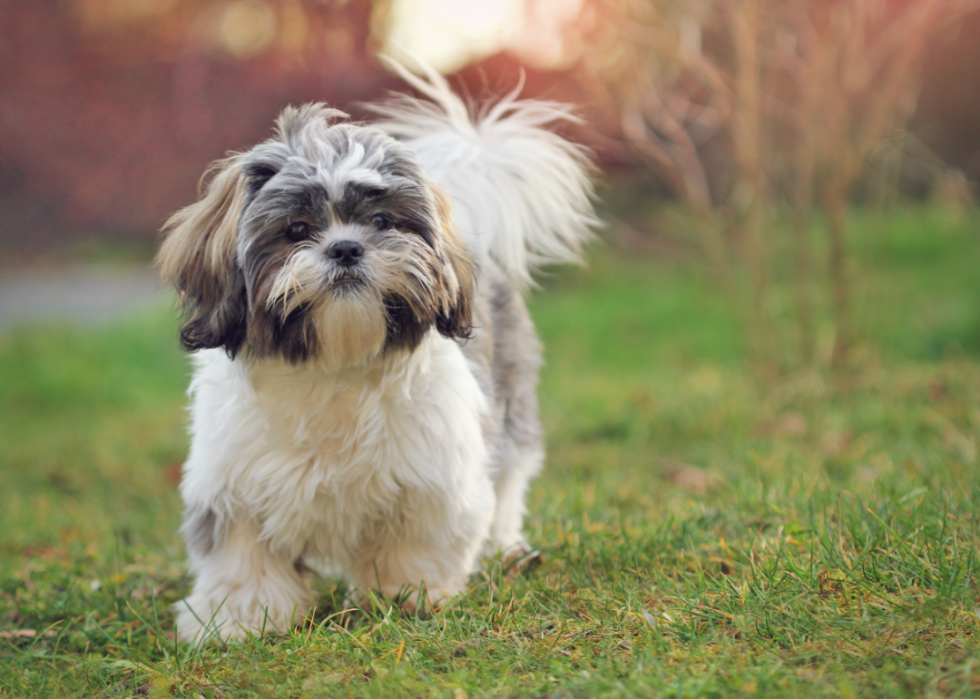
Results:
x,y
346,283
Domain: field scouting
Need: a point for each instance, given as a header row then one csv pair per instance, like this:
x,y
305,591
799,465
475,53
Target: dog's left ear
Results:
x,y
455,296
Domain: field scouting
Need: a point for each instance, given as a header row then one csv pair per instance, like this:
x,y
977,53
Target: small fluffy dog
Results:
x,y
365,368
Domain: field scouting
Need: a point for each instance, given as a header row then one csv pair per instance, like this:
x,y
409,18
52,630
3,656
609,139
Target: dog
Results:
x,y
363,396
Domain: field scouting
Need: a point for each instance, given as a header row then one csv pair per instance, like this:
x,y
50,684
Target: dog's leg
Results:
x,y
506,535
241,586
438,551
518,448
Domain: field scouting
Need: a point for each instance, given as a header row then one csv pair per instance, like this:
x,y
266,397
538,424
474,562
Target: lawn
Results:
x,y
710,528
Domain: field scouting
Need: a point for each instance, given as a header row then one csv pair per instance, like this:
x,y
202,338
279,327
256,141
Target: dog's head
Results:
x,y
326,243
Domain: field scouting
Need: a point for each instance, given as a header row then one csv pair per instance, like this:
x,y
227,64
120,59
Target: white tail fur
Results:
x,y
522,194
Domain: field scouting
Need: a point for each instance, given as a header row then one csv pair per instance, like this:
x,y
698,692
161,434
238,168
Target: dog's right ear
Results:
x,y
198,256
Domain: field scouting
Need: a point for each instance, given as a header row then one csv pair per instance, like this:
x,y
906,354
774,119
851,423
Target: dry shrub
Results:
x,y
800,94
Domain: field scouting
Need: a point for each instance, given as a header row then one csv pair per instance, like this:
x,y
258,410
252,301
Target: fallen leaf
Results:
x,y
24,633
836,443
692,478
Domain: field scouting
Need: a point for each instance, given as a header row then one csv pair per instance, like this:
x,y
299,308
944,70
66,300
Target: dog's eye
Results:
x,y
297,231
380,222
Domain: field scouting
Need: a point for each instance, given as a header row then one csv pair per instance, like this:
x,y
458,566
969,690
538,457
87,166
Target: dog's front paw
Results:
x,y
203,617
224,624
200,623
411,599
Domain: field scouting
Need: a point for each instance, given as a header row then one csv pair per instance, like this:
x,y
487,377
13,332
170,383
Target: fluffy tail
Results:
x,y
522,194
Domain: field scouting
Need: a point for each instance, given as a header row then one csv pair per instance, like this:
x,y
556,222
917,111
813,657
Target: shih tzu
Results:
x,y
363,400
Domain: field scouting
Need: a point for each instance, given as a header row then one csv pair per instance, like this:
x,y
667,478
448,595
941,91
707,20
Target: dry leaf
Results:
x,y
692,478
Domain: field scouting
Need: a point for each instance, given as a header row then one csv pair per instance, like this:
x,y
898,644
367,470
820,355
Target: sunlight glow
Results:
x,y
448,34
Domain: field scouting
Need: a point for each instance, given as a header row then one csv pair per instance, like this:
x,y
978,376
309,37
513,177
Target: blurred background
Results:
x,y
110,109
739,131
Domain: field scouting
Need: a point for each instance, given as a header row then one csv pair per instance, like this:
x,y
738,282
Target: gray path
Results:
x,y
80,293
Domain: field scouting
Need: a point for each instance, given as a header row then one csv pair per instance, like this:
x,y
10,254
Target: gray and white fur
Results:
x,y
364,401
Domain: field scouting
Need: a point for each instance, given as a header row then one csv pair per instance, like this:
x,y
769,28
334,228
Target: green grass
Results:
x,y
709,531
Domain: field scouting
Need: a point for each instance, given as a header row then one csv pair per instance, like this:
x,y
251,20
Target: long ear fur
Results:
x,y
198,257
455,316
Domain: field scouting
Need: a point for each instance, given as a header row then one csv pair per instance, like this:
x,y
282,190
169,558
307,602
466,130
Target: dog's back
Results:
x,y
521,199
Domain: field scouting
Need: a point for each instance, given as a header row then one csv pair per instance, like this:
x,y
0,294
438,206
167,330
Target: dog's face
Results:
x,y
324,243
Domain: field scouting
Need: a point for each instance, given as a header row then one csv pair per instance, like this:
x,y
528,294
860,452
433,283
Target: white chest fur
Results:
x,y
324,463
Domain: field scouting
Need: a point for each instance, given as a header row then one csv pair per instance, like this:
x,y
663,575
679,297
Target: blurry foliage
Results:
x,y
754,109
750,112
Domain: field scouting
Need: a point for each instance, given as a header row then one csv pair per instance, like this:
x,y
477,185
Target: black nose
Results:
x,y
347,252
